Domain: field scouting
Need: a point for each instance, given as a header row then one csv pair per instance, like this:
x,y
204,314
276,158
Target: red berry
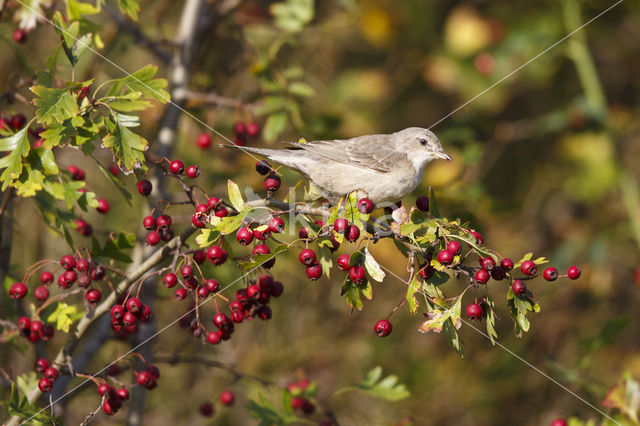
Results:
x,y
253,129
117,312
18,121
153,370
213,201
204,140
454,247
164,221
212,285
221,211
199,220
82,265
276,225
445,257
227,398
343,262
46,277
482,276
193,172
474,311
123,393
24,323
180,294
422,203
383,328
199,256
272,182
488,263
93,296
202,292
133,305
206,409
217,255
574,273
143,377
18,290
263,234
357,274
313,271
559,422
83,228
153,238
307,257
353,233
213,337
507,264
19,35
276,289
340,225
261,249
176,167
145,187
519,288
365,206
45,385
303,233
114,170
104,388
528,267
103,205
129,319
186,271
149,223
264,312
51,374
477,236
550,273
84,280
263,167
68,262
41,293
498,273
239,128
41,365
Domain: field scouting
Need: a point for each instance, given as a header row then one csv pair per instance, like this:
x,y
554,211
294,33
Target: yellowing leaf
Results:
x,y
64,316
235,197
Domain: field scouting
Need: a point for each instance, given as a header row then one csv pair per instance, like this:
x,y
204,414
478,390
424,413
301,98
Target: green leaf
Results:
x,y
268,414
372,267
64,316
18,405
293,15
353,294
326,262
27,381
235,197
527,256
301,89
19,147
451,335
48,161
437,318
229,224
274,126
367,290
129,7
490,317
386,388
127,147
77,10
143,81
113,248
207,237
412,289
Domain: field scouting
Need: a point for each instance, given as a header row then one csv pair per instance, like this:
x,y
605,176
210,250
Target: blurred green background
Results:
x,y
546,161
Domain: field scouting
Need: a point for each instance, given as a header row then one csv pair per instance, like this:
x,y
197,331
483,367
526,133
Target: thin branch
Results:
x,y
91,415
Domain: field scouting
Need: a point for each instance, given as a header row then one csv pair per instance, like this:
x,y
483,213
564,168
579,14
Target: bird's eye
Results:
x,y
423,142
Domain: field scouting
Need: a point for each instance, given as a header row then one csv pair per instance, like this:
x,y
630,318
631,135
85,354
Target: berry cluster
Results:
x,y
49,374
301,393
243,131
227,398
126,315
159,229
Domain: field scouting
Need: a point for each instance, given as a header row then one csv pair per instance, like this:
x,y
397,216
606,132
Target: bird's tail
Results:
x,y
283,157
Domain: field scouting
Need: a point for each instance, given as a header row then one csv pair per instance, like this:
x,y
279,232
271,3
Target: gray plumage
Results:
x,y
384,167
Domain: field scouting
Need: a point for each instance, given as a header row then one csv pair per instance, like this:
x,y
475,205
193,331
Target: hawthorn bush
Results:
x,y
164,249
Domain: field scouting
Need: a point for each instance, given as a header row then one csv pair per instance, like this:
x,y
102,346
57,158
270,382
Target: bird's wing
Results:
x,y
368,152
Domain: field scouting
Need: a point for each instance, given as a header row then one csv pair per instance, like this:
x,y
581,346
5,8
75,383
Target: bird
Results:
x,y
385,167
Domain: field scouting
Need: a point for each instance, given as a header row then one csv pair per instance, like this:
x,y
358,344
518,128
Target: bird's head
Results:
x,y
421,146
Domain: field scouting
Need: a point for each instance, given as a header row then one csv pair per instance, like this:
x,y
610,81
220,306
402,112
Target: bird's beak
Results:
x,y
444,156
